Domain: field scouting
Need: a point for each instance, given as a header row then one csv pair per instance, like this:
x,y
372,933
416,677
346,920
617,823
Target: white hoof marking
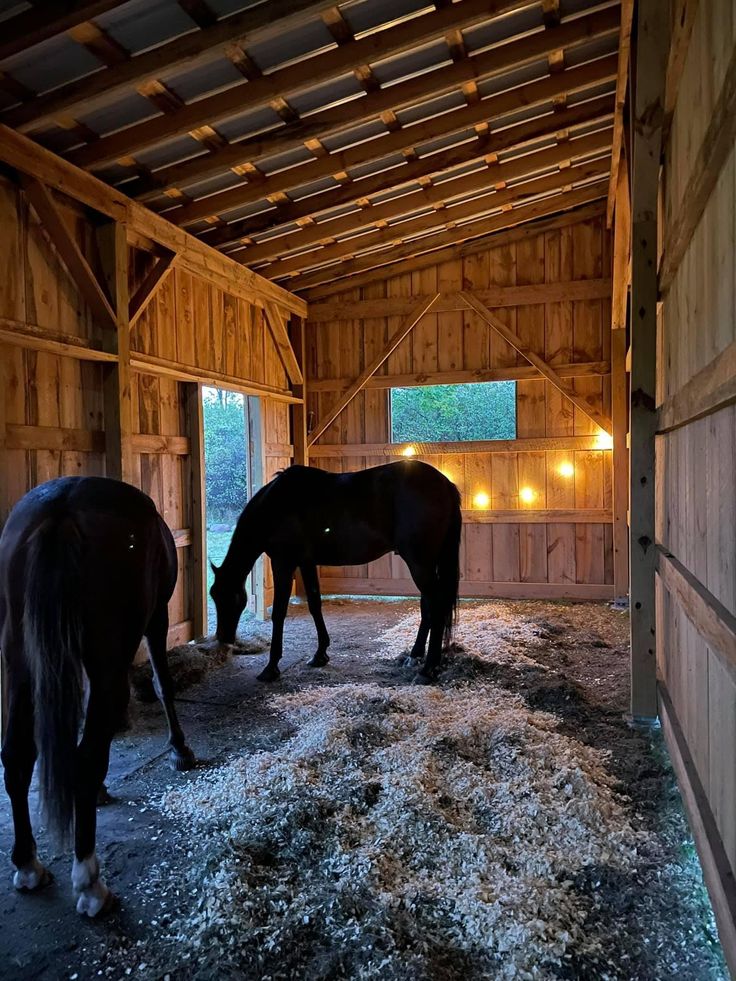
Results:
x,y
88,886
94,899
29,877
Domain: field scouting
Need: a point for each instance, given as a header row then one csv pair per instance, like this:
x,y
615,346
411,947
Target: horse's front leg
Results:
x,y
283,577
314,601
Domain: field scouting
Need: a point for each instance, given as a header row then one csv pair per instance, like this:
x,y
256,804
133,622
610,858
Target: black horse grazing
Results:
x,y
306,517
87,567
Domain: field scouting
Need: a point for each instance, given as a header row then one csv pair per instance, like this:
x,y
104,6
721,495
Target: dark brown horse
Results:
x,y
87,567
306,517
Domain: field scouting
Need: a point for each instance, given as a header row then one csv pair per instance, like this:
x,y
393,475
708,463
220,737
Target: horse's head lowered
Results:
x,y
230,599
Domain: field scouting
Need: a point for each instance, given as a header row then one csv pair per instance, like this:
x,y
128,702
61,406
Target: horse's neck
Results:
x,y
246,545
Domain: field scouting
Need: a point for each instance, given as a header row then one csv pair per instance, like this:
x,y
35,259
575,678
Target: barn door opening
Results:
x,y
232,476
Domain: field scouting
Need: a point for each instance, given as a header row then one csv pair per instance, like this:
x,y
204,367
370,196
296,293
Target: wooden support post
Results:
x,y
404,330
651,57
549,373
299,435
299,410
197,508
257,599
113,243
619,407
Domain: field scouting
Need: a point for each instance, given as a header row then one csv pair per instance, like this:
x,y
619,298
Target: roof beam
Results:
x,y
433,194
258,23
46,19
383,264
543,127
570,80
584,403
237,99
426,222
412,91
451,250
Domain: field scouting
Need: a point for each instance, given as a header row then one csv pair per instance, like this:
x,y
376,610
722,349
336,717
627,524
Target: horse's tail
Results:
x,y
52,627
448,567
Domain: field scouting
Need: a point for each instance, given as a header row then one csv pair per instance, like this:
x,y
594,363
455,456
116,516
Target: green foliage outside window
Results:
x,y
453,413
225,453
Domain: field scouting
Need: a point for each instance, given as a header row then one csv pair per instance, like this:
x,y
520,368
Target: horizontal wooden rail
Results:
x,y
526,516
396,450
182,537
149,364
54,438
715,624
153,443
345,586
36,338
466,375
334,311
711,389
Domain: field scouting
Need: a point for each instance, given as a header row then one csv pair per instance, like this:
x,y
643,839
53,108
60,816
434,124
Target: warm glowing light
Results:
x,y
603,441
567,470
481,500
409,451
527,495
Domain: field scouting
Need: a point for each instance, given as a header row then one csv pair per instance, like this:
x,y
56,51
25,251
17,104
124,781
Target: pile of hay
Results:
x,y
399,833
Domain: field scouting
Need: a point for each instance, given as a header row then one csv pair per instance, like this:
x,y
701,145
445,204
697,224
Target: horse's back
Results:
x,y
127,553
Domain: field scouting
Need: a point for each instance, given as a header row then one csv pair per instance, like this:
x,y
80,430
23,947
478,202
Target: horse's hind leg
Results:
x,y
180,755
314,600
433,619
107,701
19,757
420,644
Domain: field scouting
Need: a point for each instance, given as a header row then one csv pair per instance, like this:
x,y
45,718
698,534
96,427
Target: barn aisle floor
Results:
x,y
547,681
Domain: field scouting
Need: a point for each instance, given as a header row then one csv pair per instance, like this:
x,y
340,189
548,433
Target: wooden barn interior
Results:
x,y
313,203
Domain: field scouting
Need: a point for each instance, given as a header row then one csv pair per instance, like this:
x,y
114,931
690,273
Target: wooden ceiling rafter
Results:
x,y
427,221
400,95
381,264
529,94
401,208
262,22
301,75
543,127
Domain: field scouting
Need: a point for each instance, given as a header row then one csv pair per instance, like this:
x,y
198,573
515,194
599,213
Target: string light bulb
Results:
x,y
603,441
567,469
481,500
527,495
409,451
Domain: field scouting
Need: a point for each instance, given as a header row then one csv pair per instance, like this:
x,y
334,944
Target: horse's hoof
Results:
x,y
182,761
269,674
96,900
319,660
424,679
103,797
32,877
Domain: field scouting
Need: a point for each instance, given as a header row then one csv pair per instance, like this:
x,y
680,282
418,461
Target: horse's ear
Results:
x,y
215,568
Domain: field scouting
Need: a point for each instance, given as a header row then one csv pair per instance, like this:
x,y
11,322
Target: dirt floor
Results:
x,y
651,922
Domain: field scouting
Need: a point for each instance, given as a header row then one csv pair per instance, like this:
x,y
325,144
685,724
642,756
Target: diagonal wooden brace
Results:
x,y
584,404
404,330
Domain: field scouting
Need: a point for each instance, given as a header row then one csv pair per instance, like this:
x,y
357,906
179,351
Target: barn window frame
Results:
x,y
458,429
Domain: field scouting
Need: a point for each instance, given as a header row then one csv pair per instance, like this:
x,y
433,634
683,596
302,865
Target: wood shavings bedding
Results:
x,y
399,833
